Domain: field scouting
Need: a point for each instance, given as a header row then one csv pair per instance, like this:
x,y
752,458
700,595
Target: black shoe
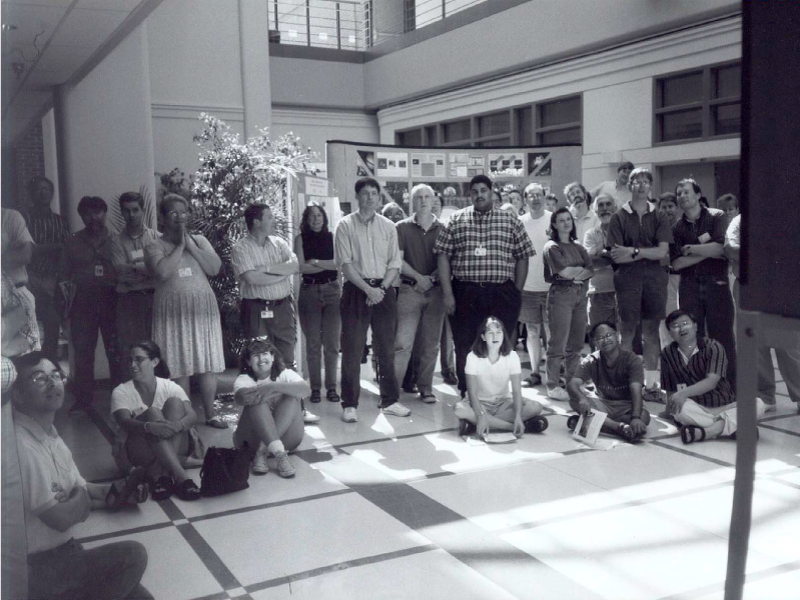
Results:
x,y
365,355
536,425
572,422
315,396
449,378
465,428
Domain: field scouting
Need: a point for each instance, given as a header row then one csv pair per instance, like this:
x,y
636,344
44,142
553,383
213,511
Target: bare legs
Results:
x,y
143,449
504,419
208,390
260,423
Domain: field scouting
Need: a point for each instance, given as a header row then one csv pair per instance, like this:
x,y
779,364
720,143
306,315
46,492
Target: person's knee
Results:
x,y
645,416
530,409
173,408
153,414
463,410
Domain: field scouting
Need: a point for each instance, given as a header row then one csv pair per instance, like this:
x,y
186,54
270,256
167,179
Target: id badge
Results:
x,y
185,272
137,254
480,251
266,314
98,270
705,238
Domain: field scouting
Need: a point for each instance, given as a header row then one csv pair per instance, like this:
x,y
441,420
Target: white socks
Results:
x,y
276,447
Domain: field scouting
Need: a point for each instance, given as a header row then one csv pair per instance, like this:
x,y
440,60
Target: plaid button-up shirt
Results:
x,y
484,247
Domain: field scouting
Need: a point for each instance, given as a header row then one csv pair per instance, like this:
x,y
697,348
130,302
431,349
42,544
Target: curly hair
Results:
x,y
259,346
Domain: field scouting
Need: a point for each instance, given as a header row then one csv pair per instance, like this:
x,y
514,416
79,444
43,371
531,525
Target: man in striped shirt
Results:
x,y
49,232
699,397
264,265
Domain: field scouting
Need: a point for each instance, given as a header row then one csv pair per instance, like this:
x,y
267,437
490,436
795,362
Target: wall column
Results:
x,y
254,48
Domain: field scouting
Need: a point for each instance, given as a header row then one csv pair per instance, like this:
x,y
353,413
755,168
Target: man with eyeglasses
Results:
x,y
578,201
698,255
693,374
57,497
602,297
618,376
639,237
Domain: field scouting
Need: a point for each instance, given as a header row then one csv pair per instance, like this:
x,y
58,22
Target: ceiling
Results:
x,y
46,43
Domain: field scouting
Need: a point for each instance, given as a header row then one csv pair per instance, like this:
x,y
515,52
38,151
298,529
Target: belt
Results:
x,y
139,292
311,280
412,281
268,302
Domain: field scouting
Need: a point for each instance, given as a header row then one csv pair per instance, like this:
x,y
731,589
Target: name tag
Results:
x,y
98,270
266,314
185,272
137,254
480,251
705,238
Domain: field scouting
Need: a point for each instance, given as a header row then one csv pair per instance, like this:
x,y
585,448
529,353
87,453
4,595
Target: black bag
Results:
x,y
225,470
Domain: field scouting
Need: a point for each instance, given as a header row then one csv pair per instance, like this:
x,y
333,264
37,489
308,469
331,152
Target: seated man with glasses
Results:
x,y
618,376
693,370
57,497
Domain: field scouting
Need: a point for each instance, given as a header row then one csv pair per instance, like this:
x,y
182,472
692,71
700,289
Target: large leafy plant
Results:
x,y
232,175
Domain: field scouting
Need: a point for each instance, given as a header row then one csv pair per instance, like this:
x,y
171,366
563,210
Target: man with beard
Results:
x,y
602,297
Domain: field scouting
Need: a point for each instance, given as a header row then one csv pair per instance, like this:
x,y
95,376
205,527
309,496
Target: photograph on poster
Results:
x,y
458,165
365,164
392,164
427,165
539,163
511,164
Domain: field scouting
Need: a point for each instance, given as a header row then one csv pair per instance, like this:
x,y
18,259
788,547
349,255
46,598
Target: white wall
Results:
x,y
306,82
315,127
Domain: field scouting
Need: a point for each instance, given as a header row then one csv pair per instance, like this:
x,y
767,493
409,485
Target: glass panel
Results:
x,y
728,82
681,125
561,136
681,89
560,112
457,131
427,12
494,124
432,136
727,119
409,138
490,143
525,126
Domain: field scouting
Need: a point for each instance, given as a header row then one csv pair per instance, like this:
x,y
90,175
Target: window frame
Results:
x,y
706,104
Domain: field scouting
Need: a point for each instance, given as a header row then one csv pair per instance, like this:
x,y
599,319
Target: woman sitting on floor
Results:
x,y
272,420
155,416
491,367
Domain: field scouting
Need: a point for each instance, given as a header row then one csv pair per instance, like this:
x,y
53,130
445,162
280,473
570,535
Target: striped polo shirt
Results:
x,y
248,255
45,228
709,358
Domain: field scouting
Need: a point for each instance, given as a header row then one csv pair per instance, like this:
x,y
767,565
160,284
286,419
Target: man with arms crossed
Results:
x,y
602,297
367,251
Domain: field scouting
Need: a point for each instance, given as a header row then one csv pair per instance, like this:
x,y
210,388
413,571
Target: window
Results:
x,y
698,104
550,123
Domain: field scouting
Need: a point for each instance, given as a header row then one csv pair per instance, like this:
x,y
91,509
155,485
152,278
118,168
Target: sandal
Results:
x,y
187,490
216,423
536,425
315,397
116,498
333,396
626,433
692,433
163,488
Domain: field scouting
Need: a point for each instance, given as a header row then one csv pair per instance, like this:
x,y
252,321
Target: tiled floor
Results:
x,y
393,508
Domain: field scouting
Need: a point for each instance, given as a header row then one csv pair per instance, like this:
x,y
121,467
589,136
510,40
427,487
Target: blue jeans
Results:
x,y
566,309
69,571
357,317
318,305
711,304
423,313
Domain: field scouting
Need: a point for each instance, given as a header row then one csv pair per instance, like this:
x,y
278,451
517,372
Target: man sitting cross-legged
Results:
x,y
699,397
618,376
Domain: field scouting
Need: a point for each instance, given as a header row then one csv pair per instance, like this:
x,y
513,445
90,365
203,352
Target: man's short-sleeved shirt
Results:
x,y
621,195
370,246
712,223
733,238
583,224
612,383
249,255
14,232
127,251
603,281
88,265
45,228
628,229
537,232
709,358
484,247
46,463
416,244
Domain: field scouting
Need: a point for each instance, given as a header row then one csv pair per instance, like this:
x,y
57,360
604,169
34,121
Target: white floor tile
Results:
x,y
129,517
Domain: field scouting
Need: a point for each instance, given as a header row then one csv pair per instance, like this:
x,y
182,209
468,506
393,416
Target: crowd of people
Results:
x,y
648,278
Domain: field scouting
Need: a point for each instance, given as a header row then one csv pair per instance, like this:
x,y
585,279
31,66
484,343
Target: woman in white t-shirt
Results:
x,y
492,368
272,419
154,416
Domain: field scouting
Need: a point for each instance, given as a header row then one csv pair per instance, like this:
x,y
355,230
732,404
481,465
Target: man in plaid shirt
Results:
x,y
486,251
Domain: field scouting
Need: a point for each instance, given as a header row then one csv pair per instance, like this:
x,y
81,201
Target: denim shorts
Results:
x,y
534,308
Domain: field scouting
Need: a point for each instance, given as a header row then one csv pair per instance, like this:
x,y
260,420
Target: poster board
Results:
x,y
447,170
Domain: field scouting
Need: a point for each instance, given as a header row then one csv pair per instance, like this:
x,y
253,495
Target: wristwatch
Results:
x,y
635,252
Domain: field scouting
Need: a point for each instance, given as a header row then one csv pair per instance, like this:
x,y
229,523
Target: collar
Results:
x,y
700,217
363,220
33,427
435,223
266,239
145,229
627,207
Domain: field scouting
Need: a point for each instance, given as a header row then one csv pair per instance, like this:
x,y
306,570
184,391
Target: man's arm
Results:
x,y
443,266
577,399
622,254
521,273
65,514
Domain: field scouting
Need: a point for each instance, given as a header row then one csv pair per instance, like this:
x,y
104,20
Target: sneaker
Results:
x,y
771,407
285,468
309,417
260,466
558,394
428,398
396,410
349,415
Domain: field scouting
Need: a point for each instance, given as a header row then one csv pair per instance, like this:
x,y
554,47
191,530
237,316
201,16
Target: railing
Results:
x,y
354,24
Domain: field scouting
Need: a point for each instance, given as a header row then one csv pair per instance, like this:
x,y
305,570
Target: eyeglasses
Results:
x,y
41,379
605,338
174,214
681,325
